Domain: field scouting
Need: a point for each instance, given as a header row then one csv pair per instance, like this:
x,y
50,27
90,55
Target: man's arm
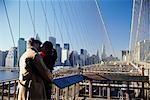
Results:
x,y
41,67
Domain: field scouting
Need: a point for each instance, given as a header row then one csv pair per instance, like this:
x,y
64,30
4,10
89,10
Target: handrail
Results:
x,y
5,87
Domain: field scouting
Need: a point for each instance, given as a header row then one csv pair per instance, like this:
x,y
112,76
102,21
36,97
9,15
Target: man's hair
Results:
x,y
32,41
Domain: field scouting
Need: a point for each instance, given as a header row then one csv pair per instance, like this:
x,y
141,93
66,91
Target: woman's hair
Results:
x,y
47,45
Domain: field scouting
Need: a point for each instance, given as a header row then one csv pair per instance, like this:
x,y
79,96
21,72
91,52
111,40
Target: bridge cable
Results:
x,y
34,16
71,24
54,23
84,30
57,22
19,19
45,15
65,25
77,10
101,17
81,27
138,27
45,21
84,26
8,20
131,32
77,26
32,21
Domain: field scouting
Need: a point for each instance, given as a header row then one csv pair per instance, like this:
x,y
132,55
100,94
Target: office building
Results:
x,y
3,55
67,46
21,47
53,41
125,55
11,58
64,55
58,49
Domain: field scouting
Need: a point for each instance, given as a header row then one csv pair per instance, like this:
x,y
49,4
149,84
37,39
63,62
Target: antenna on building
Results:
x,y
37,37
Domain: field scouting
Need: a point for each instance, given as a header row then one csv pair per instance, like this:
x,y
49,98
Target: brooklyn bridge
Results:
x,y
126,79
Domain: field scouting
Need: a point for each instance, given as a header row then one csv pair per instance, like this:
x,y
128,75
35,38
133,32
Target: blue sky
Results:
x,y
76,20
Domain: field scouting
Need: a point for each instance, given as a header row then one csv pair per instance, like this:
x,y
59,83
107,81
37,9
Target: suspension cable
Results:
x,y
45,15
77,26
45,21
65,25
67,9
19,18
54,23
31,17
9,23
81,27
57,22
34,16
131,32
138,27
101,17
85,30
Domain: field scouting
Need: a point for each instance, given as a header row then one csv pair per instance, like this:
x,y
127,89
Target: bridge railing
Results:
x,y
8,89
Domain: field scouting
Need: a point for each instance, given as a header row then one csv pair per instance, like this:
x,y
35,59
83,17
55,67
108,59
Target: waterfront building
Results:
x,y
21,47
53,41
11,58
3,55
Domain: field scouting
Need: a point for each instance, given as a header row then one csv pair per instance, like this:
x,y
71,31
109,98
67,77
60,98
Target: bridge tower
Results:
x,y
139,46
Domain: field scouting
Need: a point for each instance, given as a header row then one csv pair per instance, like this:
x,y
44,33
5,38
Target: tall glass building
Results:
x,y
21,47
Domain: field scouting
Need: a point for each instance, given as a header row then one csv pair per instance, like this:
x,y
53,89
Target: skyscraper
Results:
x,y
83,52
11,58
125,55
66,46
103,56
82,57
3,55
64,55
73,58
21,47
37,37
53,41
58,49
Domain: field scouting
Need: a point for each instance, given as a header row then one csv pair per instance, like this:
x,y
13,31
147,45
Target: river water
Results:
x,y
7,75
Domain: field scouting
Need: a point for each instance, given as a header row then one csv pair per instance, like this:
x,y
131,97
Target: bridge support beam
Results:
x,y
99,92
73,91
67,93
90,88
77,89
57,93
108,92
127,92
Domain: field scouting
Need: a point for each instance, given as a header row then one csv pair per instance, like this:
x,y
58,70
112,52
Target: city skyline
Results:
x,y
84,27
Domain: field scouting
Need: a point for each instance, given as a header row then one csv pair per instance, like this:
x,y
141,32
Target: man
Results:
x,y
31,85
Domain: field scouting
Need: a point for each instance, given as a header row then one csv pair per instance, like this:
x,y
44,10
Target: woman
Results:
x,y
49,56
